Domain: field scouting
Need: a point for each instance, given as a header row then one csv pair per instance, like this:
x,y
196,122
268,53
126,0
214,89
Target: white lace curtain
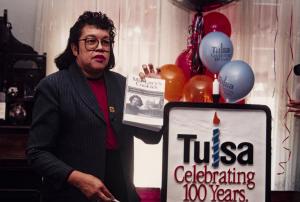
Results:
x,y
147,31
264,34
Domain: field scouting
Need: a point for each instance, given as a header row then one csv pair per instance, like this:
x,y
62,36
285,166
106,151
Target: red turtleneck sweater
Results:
x,y
99,90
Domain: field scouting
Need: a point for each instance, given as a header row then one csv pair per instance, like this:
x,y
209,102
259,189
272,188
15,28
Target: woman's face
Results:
x,y
93,51
135,101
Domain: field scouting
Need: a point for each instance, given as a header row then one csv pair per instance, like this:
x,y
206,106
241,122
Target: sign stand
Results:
x,y
216,152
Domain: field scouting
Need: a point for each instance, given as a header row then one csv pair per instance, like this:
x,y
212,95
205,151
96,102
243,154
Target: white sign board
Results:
x,y
223,160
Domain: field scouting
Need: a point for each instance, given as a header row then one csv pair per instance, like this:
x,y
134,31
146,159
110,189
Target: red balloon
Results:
x,y
242,102
184,61
198,89
222,100
216,22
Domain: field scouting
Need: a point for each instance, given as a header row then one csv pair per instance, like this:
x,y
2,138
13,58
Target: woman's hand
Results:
x,y
148,71
92,187
294,106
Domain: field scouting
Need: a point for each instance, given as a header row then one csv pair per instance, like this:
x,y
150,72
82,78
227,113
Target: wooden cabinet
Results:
x,y
18,182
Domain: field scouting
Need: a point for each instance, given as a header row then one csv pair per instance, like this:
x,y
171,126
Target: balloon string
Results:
x,y
199,32
292,54
191,29
274,49
285,125
283,164
197,28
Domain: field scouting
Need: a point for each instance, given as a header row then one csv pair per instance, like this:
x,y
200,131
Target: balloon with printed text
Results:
x,y
201,5
236,80
215,50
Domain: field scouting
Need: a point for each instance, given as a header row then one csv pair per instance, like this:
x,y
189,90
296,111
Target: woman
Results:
x,y
77,141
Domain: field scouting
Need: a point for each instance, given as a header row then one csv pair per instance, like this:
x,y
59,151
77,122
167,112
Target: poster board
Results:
x,y
235,166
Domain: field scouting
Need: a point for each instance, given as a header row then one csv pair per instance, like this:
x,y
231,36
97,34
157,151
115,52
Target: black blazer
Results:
x,y
68,132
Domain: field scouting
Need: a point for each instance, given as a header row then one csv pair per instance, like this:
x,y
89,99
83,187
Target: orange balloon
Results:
x,y
175,80
198,89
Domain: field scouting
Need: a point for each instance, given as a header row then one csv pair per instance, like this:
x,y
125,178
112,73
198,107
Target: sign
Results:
x,y
216,152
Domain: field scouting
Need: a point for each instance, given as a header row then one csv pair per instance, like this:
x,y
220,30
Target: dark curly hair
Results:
x,y
97,19
140,103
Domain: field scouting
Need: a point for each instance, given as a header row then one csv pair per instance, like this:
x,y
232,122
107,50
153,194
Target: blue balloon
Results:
x,y
236,80
215,50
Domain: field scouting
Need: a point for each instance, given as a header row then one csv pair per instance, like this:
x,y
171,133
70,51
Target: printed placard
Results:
x,y
144,102
216,153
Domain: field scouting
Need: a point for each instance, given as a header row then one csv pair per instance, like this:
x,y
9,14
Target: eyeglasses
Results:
x,y
91,43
